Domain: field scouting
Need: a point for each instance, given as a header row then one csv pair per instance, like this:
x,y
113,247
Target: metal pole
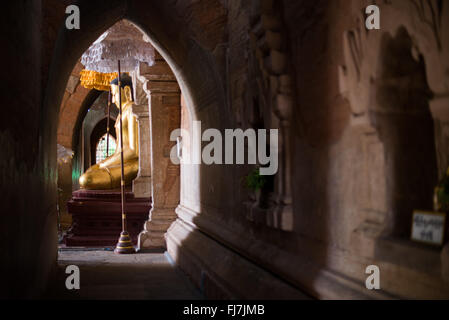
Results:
x,y
108,124
124,245
122,184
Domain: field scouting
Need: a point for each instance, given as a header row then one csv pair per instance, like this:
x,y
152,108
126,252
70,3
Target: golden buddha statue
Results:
x,y
106,174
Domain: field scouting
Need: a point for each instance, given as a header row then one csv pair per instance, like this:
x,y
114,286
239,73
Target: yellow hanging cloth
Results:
x,y
97,80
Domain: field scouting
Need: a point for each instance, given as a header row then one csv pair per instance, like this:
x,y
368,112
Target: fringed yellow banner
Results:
x,y
97,80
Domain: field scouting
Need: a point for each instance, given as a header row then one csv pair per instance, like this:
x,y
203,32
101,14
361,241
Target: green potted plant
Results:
x,y
256,183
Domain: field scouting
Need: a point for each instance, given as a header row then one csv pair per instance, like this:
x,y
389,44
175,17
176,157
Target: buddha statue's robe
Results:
x,y
106,175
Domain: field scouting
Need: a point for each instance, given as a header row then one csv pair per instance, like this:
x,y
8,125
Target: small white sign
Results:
x,y
428,227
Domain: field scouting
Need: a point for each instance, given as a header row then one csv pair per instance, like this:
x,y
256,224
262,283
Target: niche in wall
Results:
x,y
405,125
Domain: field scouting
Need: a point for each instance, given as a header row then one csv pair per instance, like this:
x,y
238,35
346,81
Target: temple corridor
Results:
x,y
225,150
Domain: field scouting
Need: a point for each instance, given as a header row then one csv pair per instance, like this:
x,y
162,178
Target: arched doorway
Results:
x,y
157,93
208,94
103,147
183,55
403,119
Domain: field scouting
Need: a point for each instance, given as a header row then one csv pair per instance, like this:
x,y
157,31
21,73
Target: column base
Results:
x,y
283,218
221,273
276,217
153,237
150,240
142,187
365,237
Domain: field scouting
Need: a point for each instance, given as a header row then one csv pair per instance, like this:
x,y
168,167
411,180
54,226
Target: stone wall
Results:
x,y
28,171
343,217
348,164
354,185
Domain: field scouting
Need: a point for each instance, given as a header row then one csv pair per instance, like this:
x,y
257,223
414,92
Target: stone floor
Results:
x,y
105,275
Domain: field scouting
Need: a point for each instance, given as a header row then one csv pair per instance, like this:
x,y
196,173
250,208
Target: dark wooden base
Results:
x,y
124,245
97,219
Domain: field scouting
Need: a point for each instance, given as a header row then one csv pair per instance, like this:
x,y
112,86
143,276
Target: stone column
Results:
x,y
164,98
283,109
439,107
142,183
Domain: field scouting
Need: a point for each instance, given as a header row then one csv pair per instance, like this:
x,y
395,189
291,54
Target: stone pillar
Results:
x,y
283,109
439,107
142,183
164,98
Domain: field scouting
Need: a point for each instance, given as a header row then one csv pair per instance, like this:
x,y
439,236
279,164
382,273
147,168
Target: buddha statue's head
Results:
x,y
126,90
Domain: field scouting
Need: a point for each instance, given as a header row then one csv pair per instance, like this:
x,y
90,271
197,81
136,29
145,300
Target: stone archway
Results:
x,y
98,132
201,92
191,45
71,105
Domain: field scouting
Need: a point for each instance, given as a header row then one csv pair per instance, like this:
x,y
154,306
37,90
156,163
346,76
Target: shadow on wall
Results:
x,y
405,125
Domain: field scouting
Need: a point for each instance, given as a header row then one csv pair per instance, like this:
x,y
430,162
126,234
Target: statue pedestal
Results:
x,y
97,220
